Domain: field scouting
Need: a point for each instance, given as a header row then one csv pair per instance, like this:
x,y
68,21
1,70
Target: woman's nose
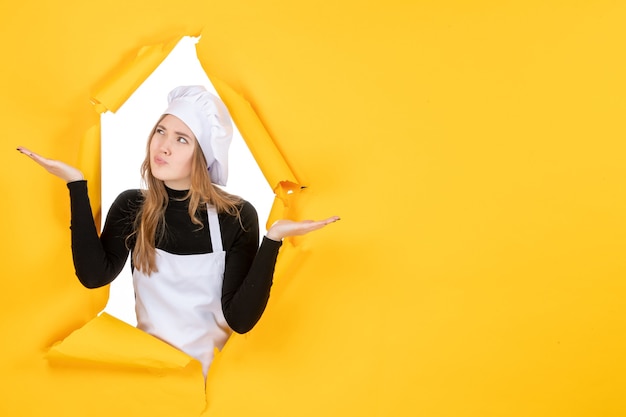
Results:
x,y
165,147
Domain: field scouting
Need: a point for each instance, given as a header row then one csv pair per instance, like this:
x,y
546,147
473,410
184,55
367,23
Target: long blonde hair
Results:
x,y
151,216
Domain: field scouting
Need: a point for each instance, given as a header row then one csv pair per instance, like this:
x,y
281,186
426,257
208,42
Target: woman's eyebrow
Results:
x,y
178,133
183,134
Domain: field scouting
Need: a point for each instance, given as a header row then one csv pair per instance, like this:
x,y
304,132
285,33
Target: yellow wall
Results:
x,y
474,151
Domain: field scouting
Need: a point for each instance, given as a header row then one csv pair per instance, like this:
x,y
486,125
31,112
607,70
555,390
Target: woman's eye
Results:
x,y
160,131
182,139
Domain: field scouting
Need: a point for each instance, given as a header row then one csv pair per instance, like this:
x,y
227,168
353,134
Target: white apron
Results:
x,y
181,304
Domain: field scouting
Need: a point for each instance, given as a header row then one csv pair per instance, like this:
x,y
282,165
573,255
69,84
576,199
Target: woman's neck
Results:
x,y
176,194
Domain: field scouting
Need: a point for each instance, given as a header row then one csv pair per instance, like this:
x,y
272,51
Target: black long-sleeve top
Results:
x,y
249,270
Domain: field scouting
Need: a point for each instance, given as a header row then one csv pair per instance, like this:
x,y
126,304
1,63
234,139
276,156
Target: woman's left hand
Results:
x,y
285,228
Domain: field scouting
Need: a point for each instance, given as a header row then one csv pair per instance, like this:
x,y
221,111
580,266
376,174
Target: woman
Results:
x,y
198,270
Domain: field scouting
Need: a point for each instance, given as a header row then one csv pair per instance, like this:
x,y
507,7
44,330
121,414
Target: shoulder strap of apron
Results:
x,y
214,229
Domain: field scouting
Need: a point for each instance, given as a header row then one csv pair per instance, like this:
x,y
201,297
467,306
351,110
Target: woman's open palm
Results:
x,y
285,228
60,169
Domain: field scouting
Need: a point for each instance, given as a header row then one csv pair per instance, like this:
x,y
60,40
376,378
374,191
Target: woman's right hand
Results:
x,y
285,228
60,169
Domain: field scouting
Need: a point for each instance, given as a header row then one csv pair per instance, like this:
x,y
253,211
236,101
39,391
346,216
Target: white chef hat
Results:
x,y
207,117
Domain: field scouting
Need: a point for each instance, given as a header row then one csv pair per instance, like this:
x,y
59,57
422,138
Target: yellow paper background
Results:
x,y
474,151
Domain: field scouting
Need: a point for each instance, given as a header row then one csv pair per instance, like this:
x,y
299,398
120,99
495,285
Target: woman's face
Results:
x,y
171,152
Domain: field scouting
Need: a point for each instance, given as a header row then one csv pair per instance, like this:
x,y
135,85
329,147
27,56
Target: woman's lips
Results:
x,y
159,161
